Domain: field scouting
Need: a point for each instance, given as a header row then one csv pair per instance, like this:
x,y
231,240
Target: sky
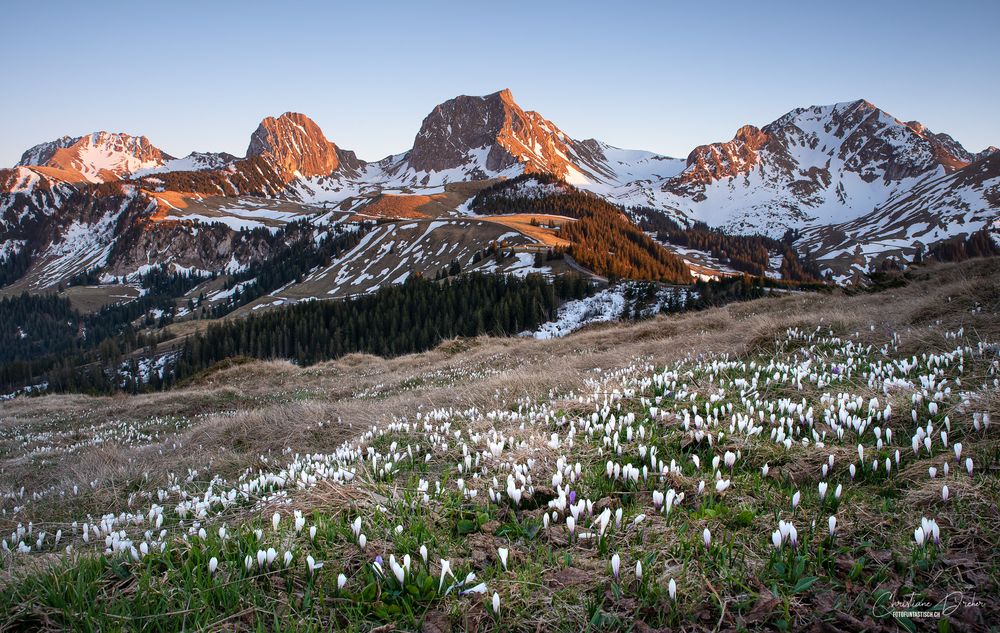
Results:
x,y
662,76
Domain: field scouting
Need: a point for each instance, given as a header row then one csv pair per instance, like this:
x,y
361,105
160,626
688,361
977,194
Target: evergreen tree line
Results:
x,y
14,266
700,295
83,353
89,277
746,253
162,281
398,319
960,248
709,294
44,339
602,239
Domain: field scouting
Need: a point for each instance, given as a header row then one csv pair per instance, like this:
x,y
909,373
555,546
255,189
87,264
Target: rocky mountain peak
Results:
x,y
458,126
947,150
809,166
96,157
986,153
40,154
489,134
725,160
294,145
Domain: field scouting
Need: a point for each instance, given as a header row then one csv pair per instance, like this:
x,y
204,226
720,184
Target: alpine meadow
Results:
x,y
504,378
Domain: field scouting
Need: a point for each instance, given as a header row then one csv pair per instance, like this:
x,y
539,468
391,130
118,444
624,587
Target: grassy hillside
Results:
x,y
699,456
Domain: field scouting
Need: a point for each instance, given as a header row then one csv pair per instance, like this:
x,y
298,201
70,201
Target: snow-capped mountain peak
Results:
x,y
814,165
96,157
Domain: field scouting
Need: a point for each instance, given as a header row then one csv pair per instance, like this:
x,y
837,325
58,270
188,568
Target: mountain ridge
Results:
x,y
812,167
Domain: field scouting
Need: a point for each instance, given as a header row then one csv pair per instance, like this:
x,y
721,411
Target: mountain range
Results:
x,y
853,184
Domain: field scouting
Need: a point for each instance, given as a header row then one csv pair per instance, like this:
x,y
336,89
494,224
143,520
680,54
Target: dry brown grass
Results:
x,y
415,205
397,206
521,222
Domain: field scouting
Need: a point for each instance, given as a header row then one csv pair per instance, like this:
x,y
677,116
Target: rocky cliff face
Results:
x,y
486,136
986,153
458,126
295,146
948,151
211,247
725,160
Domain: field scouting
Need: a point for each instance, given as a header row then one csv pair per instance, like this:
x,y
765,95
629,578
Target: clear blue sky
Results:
x,y
662,76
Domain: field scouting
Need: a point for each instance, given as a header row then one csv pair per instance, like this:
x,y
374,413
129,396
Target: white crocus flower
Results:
x,y
397,569
480,588
445,571
313,565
